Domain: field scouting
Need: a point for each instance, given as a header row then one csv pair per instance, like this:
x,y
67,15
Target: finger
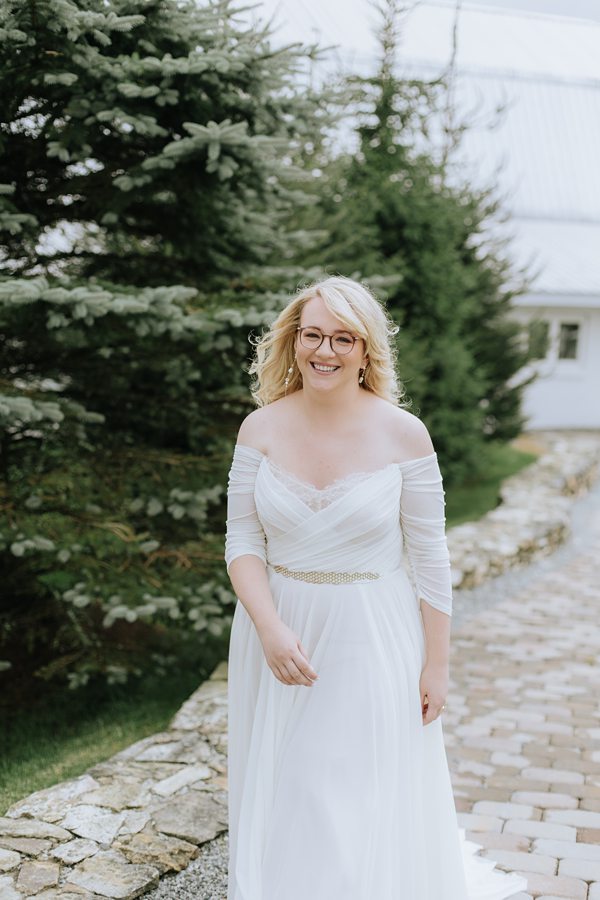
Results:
x,y
292,671
282,674
311,672
306,669
298,674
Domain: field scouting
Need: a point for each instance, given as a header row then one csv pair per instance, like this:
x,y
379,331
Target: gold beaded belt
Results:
x,y
326,577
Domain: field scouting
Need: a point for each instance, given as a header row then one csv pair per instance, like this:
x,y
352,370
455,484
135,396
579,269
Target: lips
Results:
x,y
326,370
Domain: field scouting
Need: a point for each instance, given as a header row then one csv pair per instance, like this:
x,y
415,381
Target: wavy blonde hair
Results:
x,y
354,305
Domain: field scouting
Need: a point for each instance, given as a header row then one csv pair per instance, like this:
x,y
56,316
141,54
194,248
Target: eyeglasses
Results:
x,y
340,341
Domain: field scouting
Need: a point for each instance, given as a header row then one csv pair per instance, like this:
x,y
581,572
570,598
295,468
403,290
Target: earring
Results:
x,y
287,377
362,376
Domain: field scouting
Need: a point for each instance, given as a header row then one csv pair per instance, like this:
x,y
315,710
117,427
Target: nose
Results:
x,y
326,348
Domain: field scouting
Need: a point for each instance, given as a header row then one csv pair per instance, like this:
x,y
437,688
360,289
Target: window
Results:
x,y
538,333
568,340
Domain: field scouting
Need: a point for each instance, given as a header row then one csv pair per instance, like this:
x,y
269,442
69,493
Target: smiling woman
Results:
x,y
342,790
334,336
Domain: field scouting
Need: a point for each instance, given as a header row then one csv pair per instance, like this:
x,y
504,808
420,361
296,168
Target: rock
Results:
x,y
115,770
60,894
31,828
8,860
209,696
28,846
126,792
181,779
35,875
51,803
133,822
93,822
8,890
220,672
186,748
196,818
135,751
168,854
110,875
74,851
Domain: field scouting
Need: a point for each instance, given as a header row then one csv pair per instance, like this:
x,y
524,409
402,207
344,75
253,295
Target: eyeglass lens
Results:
x,y
341,341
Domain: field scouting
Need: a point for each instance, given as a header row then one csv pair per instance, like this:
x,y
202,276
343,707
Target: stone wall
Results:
x,y
115,830
534,514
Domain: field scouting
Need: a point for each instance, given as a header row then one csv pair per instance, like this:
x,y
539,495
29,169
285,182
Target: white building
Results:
x,y
543,152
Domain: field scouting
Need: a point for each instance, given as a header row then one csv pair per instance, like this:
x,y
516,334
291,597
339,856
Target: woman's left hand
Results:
x,y
433,687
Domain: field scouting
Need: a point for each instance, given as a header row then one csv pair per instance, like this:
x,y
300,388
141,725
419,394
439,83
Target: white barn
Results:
x,y
544,154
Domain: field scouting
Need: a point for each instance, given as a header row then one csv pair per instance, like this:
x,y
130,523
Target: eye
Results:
x,y
344,339
312,334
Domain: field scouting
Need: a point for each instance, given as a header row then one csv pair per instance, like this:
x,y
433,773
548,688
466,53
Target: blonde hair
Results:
x,y
355,306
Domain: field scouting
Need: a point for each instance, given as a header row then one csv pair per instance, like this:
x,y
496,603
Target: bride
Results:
x,y
339,786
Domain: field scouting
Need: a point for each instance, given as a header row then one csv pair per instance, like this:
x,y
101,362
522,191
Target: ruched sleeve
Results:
x,y
244,532
423,522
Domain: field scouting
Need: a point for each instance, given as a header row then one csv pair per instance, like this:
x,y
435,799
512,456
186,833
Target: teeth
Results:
x,y
324,368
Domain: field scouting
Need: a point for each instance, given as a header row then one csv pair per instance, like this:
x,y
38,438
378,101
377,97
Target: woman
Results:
x,y
338,662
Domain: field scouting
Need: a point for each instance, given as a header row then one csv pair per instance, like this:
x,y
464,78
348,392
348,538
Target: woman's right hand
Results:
x,y
286,656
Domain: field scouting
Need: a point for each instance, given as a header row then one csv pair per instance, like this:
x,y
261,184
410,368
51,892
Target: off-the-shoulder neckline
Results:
x,y
406,462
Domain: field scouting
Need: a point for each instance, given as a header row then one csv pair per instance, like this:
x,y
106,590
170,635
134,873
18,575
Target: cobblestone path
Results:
x,y
523,721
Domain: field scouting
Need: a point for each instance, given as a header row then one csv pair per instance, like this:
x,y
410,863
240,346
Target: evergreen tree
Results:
x,y
395,217
152,135
157,134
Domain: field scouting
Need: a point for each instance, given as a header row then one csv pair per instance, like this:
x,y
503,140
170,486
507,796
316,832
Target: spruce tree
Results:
x,y
396,215
157,135
152,133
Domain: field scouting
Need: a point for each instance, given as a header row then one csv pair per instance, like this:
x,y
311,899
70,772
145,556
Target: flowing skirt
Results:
x,y
338,790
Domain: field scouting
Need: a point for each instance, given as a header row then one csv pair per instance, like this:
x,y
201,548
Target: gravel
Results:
x,y
204,879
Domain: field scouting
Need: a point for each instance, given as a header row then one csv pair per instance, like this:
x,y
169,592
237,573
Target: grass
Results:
x,y
477,496
67,733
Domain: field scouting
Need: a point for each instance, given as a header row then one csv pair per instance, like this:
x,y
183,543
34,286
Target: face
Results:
x,y
324,368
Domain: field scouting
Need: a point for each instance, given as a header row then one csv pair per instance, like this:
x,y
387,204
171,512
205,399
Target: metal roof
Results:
x,y
566,254
541,152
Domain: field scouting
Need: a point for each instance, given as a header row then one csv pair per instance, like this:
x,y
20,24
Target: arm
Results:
x,y
245,557
245,544
422,515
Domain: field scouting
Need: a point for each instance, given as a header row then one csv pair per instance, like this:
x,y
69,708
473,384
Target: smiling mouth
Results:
x,y
324,370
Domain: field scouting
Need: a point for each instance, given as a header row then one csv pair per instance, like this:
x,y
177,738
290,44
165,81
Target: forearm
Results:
x,y
437,626
249,579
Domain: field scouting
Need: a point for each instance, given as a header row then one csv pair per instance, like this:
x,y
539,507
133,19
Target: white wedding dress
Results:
x,y
338,791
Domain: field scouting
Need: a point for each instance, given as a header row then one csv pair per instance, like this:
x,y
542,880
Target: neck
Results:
x,y
330,407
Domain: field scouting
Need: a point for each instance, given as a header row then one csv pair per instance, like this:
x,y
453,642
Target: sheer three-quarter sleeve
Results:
x,y
244,534
423,522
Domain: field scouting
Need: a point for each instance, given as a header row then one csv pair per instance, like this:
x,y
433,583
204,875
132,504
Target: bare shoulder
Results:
x,y
409,434
252,430
258,425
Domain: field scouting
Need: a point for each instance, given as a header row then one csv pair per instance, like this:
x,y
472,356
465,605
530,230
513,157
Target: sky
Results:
x,y
349,24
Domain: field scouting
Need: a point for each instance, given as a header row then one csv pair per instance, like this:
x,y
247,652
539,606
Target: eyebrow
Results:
x,y
337,330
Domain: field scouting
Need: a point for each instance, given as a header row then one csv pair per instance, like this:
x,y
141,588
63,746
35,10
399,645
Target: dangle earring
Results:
x,y
362,376
287,377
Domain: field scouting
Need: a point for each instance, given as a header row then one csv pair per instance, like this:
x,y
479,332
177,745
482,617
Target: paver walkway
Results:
x,y
522,727
522,724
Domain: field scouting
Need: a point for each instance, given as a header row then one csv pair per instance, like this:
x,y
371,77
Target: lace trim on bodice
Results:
x,y
318,498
